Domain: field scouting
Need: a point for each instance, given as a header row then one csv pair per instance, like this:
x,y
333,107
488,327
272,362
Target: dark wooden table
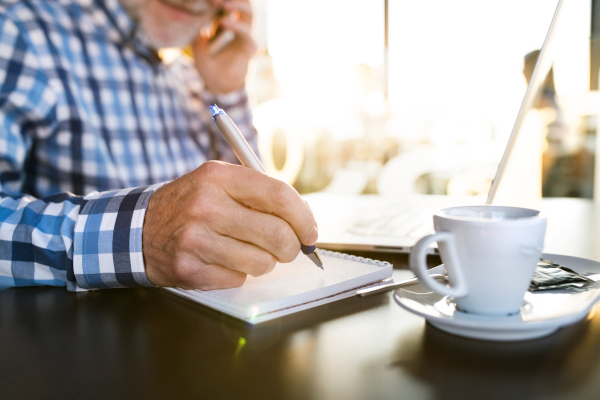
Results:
x,y
147,343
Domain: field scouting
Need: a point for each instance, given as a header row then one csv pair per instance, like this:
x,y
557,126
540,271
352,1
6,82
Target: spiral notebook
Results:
x,y
294,287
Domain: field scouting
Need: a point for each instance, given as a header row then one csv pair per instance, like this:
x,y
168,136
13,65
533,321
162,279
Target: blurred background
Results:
x,y
401,96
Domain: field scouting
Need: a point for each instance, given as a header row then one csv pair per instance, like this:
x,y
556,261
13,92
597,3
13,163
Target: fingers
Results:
x,y
265,231
177,266
239,256
240,20
243,41
201,247
219,277
268,195
220,222
242,29
242,8
209,277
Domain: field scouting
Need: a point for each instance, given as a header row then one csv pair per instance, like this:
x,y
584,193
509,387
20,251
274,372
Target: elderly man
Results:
x,y
97,138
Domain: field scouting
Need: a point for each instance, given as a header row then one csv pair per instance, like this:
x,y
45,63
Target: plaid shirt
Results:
x,y
87,107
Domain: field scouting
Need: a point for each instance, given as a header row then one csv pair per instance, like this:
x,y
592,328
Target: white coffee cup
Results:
x,y
490,254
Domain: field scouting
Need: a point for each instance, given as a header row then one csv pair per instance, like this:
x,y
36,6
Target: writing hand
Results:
x,y
220,222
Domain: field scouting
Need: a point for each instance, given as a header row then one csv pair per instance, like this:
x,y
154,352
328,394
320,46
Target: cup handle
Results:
x,y
417,263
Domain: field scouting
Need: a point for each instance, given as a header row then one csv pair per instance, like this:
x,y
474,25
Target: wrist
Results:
x,y
153,220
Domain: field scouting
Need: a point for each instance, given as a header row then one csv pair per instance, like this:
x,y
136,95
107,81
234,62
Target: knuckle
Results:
x,y
207,283
280,234
281,193
211,169
209,209
186,239
263,264
284,240
310,214
219,281
238,279
207,279
290,253
181,271
209,202
271,267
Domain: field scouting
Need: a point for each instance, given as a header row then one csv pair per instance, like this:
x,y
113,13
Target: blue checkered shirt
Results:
x,y
91,122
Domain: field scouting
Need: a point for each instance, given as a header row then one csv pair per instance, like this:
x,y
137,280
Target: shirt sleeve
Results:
x,y
237,107
235,104
108,239
41,238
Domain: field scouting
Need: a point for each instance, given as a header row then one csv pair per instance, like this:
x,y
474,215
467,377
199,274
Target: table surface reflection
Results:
x,y
126,343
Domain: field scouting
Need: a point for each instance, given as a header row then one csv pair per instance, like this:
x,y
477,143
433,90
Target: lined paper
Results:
x,y
292,284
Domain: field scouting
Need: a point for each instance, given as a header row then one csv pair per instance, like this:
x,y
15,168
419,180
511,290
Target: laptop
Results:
x,y
395,223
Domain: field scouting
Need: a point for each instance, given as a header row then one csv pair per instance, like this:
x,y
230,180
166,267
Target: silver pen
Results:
x,y
244,153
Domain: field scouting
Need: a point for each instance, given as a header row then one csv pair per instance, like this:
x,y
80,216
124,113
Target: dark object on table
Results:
x,y
549,275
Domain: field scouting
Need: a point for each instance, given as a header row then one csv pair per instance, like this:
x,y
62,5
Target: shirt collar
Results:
x,y
120,27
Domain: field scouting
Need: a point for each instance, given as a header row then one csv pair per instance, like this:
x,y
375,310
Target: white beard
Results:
x,y
159,33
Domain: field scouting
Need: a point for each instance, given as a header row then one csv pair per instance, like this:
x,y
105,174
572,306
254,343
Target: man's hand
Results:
x,y
226,71
220,222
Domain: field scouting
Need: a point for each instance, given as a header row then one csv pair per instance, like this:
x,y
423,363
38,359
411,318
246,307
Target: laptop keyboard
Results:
x,y
413,222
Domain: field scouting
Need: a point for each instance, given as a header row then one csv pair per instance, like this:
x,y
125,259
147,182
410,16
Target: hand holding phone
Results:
x,y
218,37
224,47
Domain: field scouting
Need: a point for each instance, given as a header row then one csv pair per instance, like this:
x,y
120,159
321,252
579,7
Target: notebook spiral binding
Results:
x,y
354,258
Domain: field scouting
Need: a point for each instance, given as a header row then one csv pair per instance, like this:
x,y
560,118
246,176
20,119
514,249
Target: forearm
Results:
x,y
235,104
36,240
82,243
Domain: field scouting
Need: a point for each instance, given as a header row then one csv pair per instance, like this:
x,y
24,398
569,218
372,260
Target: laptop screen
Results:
x,y
459,85
542,66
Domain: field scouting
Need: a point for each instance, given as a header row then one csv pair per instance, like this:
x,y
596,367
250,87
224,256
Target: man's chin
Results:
x,y
160,43
161,31
160,40
188,9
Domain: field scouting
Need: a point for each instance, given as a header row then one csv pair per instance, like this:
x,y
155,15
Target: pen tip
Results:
x,y
316,259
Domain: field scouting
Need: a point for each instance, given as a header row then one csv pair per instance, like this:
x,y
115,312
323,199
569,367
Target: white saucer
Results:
x,y
542,313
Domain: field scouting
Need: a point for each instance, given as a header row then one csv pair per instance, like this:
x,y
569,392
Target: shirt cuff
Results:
x,y
107,249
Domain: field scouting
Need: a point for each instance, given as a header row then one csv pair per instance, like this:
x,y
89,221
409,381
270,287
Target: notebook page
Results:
x,y
294,283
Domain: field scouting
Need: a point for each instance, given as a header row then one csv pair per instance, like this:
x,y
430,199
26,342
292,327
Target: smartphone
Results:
x,y
219,37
